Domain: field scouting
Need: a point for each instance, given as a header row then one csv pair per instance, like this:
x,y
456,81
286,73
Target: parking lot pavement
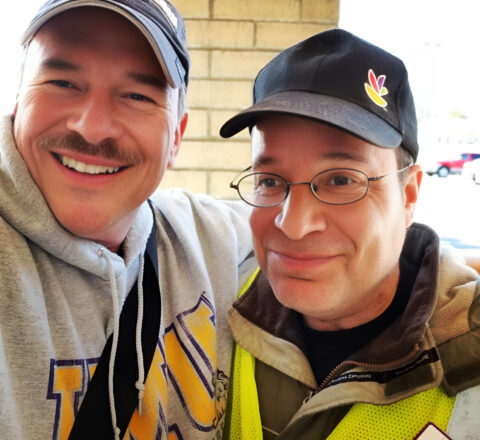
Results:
x,y
451,206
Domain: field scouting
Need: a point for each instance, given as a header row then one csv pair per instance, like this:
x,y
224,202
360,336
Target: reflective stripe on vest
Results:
x,y
465,422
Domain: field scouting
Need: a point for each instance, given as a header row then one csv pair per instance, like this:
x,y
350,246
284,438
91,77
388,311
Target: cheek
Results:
x,y
153,172
380,233
24,131
35,115
263,227
255,225
155,144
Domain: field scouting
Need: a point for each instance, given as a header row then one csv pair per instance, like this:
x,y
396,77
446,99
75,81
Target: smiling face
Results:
x,y
95,121
338,265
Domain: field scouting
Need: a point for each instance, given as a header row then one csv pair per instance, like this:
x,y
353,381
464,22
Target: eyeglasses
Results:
x,y
337,186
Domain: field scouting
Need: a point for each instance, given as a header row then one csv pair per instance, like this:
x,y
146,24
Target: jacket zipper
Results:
x,y
340,368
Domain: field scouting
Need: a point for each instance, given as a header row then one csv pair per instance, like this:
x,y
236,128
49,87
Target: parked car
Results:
x,y
471,170
445,167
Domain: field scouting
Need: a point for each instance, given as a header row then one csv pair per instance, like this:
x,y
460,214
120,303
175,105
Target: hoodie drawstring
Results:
x,y
116,329
138,337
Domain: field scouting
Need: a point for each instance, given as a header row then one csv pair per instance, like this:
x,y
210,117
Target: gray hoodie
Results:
x,y
56,308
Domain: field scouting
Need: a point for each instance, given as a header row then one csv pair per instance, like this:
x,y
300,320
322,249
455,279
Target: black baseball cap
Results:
x,y
158,20
340,79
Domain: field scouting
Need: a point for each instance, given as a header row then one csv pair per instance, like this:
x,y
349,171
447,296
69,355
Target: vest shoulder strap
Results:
x,y
242,418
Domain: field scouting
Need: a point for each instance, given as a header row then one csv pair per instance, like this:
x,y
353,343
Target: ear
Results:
x,y
411,191
180,130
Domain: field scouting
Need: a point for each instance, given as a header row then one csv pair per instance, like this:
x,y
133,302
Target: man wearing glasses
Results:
x,y
359,324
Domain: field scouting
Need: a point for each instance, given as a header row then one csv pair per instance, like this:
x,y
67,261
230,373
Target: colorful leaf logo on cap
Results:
x,y
375,89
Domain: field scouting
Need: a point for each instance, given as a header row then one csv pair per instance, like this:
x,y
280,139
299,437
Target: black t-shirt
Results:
x,y
327,349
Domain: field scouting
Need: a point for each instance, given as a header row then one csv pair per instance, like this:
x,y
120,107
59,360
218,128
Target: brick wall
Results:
x,y
229,41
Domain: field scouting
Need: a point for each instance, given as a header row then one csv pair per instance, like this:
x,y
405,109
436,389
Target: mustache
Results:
x,y
107,149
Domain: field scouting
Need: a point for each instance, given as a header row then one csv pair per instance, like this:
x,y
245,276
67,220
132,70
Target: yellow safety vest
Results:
x,y
397,421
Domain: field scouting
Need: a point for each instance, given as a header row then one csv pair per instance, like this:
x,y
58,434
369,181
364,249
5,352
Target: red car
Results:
x,y
446,167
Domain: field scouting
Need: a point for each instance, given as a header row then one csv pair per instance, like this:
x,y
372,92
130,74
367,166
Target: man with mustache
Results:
x,y
109,302
358,325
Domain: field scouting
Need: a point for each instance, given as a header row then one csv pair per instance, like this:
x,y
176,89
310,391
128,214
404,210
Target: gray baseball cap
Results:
x,y
158,20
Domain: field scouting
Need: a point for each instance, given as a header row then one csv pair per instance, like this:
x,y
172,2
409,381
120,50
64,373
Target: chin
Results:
x,y
85,224
306,296
294,293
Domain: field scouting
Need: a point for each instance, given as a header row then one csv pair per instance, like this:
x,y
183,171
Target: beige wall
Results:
x,y
229,41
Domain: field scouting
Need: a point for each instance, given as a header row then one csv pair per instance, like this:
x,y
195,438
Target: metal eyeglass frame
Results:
x,y
289,184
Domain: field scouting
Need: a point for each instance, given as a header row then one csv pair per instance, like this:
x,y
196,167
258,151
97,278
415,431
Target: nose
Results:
x,y
94,119
301,214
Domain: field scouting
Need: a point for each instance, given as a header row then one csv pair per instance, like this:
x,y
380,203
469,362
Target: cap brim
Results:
x,y
160,44
334,111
